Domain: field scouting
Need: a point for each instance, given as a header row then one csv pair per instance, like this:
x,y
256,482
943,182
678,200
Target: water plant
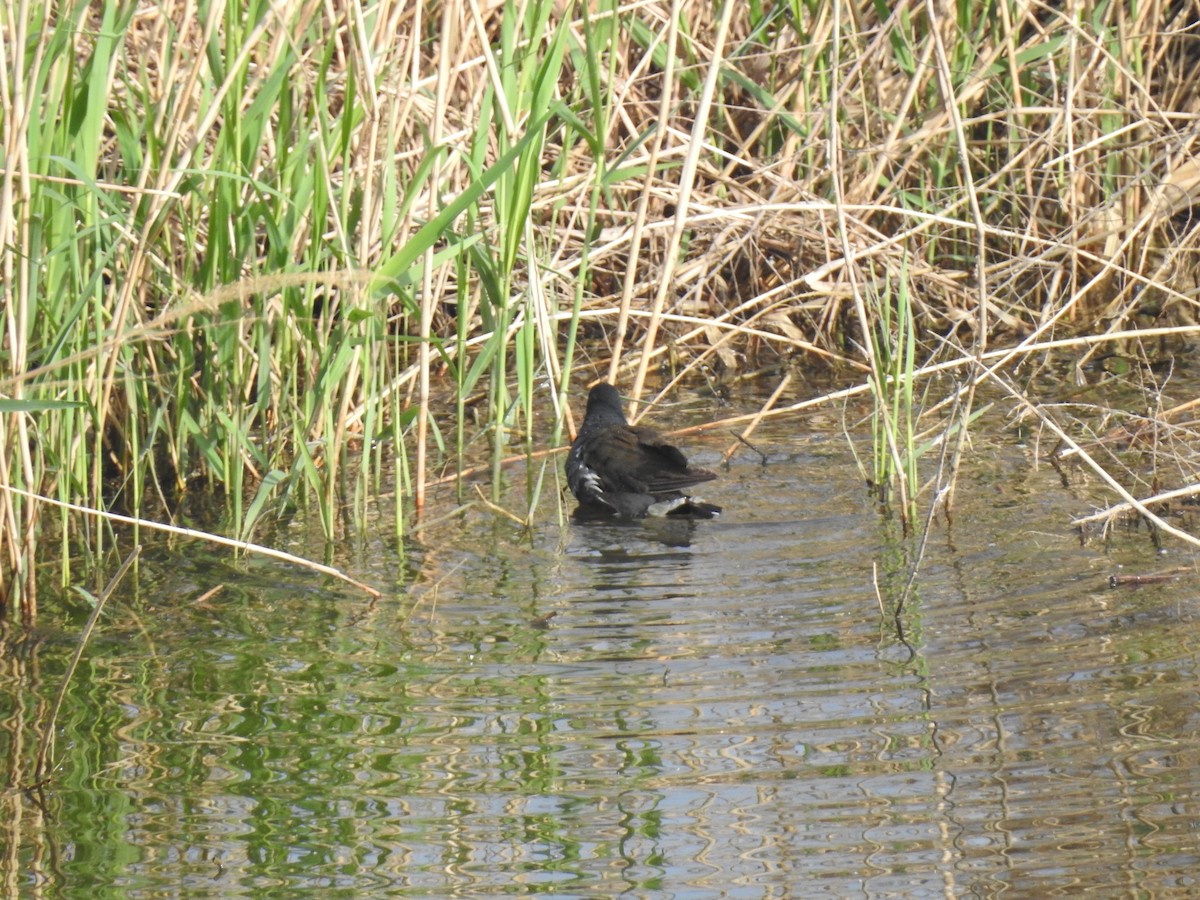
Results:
x,y
293,258
885,308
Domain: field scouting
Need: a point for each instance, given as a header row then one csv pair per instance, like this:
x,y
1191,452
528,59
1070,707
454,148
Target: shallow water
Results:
x,y
715,709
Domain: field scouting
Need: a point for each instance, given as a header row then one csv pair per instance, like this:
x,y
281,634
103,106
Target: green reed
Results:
x,y
240,251
892,357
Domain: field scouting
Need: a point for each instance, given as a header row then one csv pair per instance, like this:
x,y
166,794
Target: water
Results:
x,y
720,709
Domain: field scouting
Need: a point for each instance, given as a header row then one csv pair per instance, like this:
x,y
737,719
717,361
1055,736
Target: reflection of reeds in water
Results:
x,y
242,253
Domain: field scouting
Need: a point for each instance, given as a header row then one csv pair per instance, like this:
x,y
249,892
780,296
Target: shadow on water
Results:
x,y
684,708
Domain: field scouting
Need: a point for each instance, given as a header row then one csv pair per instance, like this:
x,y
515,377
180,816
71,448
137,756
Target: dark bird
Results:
x,y
618,469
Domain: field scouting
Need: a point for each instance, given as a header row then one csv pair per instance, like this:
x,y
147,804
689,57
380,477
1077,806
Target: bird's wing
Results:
x,y
661,466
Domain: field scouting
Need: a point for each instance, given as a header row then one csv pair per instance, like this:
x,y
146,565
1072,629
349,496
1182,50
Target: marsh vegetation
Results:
x,y
265,253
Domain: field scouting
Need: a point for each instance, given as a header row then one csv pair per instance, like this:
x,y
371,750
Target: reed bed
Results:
x,y
268,251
